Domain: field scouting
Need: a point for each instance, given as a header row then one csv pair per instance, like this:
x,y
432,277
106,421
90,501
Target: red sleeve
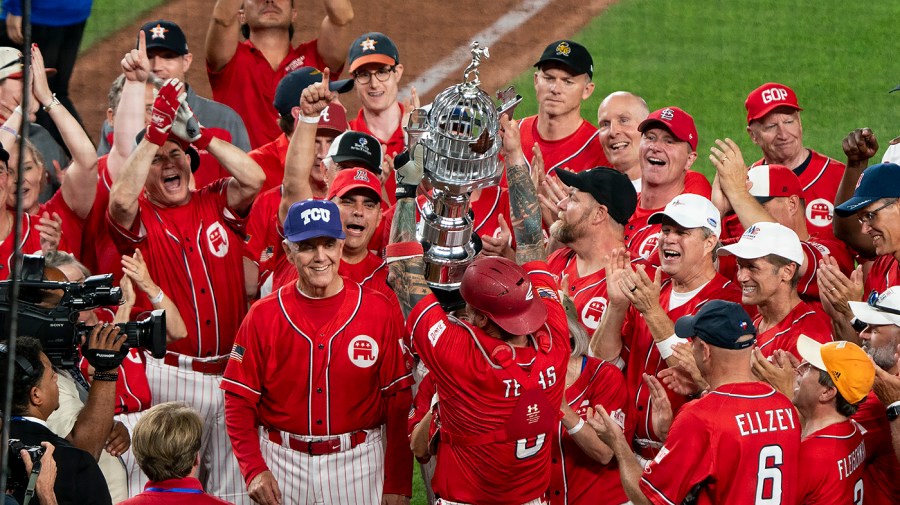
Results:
x,y
695,182
248,359
398,461
396,369
421,403
682,463
126,240
241,423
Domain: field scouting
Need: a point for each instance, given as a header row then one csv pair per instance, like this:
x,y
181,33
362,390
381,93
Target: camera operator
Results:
x,y
35,395
46,479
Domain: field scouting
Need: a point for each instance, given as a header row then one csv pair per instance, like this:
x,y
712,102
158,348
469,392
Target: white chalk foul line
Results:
x,y
459,58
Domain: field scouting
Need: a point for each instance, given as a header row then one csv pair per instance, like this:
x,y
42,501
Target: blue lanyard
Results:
x,y
175,490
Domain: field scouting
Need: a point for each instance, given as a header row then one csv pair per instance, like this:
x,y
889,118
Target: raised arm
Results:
x,y
523,198
731,175
223,34
80,185
130,112
606,342
860,145
135,270
335,34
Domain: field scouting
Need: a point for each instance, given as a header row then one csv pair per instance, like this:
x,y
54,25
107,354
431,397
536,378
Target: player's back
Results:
x,y
833,460
737,445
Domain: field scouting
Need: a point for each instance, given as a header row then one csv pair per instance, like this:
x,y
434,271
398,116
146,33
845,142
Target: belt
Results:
x,y
318,447
441,501
216,366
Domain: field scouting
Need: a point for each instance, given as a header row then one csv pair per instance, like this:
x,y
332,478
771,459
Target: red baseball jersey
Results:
x,y
271,158
882,486
644,357
575,477
194,253
833,460
132,387
641,238
72,226
494,449
884,273
30,243
247,84
589,292
738,445
391,147
575,153
185,491
819,177
339,373
802,319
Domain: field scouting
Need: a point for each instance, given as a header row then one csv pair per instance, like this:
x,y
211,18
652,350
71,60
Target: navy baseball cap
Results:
x,y
608,186
571,54
311,219
876,182
372,47
162,34
287,94
718,323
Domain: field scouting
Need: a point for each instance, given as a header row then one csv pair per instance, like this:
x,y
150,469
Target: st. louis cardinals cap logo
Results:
x,y
363,351
667,114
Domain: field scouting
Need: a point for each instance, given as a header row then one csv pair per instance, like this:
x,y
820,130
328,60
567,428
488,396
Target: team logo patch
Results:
x,y
435,332
820,212
217,239
361,175
368,44
751,233
774,95
237,353
545,292
363,351
267,254
534,414
158,32
667,114
325,115
563,49
648,246
316,214
294,64
593,312
619,417
712,222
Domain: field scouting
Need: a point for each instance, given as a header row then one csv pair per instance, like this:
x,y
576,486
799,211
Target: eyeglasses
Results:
x,y
873,302
381,74
868,217
803,367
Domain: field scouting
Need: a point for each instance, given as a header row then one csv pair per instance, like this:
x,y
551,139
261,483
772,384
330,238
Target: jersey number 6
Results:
x,y
768,475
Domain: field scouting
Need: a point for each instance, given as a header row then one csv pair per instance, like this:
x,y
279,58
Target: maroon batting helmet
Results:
x,y
500,288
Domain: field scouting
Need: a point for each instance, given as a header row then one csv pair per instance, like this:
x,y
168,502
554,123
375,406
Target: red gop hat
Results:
x,y
501,289
677,121
767,97
771,181
353,178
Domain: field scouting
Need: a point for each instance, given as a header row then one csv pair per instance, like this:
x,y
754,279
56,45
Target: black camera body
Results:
x,y
18,476
56,324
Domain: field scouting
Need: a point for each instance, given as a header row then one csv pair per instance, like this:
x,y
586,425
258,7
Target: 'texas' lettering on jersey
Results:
x,y
546,378
752,423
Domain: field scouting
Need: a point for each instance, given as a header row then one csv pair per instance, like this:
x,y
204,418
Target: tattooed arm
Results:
x,y
523,199
407,275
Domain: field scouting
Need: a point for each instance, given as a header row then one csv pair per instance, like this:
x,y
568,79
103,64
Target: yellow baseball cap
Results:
x,y
847,364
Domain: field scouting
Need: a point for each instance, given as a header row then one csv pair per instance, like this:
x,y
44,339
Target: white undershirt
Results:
x,y
677,299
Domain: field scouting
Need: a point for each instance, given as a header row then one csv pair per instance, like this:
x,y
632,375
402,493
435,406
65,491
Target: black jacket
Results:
x,y
78,478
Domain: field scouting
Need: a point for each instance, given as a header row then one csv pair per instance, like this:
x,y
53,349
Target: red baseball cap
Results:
x,y
771,181
333,119
352,178
677,121
767,97
500,288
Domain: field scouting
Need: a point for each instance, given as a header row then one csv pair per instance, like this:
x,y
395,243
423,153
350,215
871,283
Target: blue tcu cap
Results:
x,y
718,323
311,219
876,182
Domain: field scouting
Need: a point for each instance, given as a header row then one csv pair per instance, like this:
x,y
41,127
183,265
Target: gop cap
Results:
x,y
608,186
771,181
501,289
691,211
879,309
353,178
357,147
849,367
372,47
763,239
767,97
876,182
571,54
311,219
287,94
677,121
718,323
165,35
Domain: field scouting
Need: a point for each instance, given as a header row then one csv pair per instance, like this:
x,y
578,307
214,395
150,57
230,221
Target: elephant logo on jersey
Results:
x,y
648,246
593,311
363,351
820,212
217,239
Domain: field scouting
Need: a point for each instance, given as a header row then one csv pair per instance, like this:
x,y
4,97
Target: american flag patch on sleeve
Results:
x,y
237,353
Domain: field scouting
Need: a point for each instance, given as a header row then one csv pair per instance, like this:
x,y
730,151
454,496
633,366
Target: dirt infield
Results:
x,y
425,33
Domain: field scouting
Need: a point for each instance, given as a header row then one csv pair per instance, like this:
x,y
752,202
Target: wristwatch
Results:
x,y
893,411
858,325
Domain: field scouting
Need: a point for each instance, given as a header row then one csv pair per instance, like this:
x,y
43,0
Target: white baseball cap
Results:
x,y
691,211
880,309
763,239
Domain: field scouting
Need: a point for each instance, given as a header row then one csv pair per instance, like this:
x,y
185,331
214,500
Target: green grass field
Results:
x,y
107,16
706,56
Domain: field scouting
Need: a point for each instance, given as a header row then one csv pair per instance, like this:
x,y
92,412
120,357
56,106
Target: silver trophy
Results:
x,y
456,142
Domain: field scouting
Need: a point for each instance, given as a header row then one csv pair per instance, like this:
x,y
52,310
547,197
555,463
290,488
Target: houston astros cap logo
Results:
x,y
563,49
368,44
667,114
158,32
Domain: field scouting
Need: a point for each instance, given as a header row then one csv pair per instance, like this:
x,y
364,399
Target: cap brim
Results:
x,y
528,322
657,218
350,187
18,75
565,63
570,179
342,86
306,235
769,108
763,199
853,205
372,58
870,315
340,158
811,351
744,252
684,327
